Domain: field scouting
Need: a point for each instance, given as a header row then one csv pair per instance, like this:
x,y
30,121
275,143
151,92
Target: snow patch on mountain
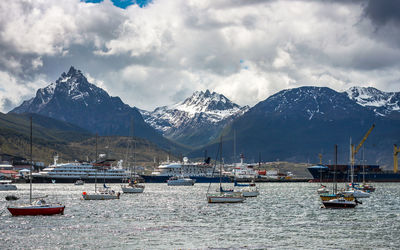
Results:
x,y
200,108
383,103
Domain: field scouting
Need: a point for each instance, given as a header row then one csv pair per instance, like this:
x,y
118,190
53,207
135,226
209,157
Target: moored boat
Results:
x,y
223,196
327,197
322,190
101,194
5,185
248,190
340,203
180,181
79,182
356,193
230,197
38,207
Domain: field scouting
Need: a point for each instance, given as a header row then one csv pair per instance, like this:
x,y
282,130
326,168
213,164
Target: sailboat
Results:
x,y
335,200
132,187
39,206
247,189
223,196
105,193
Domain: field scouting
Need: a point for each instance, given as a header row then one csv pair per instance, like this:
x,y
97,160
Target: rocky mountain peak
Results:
x,y
205,102
196,119
382,103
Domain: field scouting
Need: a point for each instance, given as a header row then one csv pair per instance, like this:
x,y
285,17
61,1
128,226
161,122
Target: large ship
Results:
x,y
201,172
101,171
368,173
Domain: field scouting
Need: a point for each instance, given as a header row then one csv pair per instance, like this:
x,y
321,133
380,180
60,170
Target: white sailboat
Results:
x,y
222,196
132,187
105,193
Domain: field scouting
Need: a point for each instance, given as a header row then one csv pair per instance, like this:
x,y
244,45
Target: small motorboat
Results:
x,y
340,203
132,188
356,193
38,207
180,181
5,185
367,188
248,190
79,182
322,190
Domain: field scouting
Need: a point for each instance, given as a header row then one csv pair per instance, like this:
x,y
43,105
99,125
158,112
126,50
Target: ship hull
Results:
x,y
44,179
199,179
34,211
326,174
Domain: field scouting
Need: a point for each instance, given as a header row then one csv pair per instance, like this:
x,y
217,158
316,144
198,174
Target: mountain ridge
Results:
x,y
73,99
195,120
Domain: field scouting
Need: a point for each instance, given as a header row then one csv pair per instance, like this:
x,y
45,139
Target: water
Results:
x,y
284,215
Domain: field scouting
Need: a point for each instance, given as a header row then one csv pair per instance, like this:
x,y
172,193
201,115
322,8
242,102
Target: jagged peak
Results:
x,y
372,97
203,101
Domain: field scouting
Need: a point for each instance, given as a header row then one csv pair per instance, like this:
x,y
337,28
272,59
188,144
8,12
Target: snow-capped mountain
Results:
x,y
73,99
298,124
382,103
196,120
310,103
71,87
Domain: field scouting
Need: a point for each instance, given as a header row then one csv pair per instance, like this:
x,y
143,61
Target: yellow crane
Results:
x,y
354,151
395,163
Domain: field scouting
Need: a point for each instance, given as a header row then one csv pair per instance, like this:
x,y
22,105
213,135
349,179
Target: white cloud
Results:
x,y
160,54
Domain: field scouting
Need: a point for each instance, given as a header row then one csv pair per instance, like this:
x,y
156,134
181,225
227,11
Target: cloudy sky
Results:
x,y
158,53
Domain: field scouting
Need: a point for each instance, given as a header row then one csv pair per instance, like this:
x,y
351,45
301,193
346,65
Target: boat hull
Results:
x,y
34,211
43,179
181,182
250,193
8,187
339,204
328,197
132,190
357,193
100,197
372,174
225,198
199,179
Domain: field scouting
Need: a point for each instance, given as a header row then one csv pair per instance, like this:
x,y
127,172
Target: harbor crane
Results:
x,y
354,151
395,163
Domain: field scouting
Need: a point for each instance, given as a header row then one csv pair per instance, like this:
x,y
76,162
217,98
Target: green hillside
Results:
x,y
70,142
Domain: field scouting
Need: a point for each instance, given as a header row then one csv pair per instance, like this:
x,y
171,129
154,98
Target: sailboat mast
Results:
x,y
30,174
134,152
334,172
363,166
95,175
234,146
220,164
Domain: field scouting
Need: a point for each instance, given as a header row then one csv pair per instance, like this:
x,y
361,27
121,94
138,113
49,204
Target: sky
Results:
x,y
156,53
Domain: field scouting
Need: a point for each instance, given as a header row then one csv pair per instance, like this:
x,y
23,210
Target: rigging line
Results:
x,y
215,166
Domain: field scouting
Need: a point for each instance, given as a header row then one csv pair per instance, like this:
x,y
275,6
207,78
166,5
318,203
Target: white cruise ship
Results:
x,y
201,172
88,172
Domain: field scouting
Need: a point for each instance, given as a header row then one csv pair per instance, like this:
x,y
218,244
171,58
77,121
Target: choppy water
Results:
x,y
285,215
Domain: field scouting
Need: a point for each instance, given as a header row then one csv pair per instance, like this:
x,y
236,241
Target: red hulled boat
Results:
x,y
39,207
